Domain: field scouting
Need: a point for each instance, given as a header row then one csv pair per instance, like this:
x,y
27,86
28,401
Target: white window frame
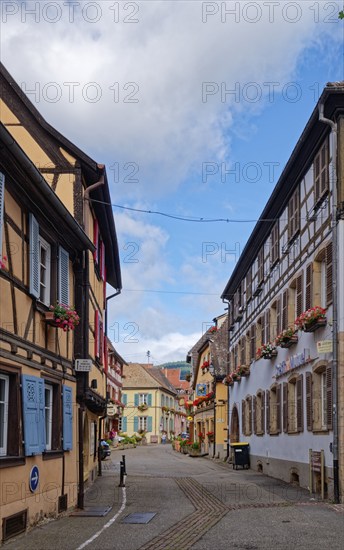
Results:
x,y
143,399
143,421
4,424
48,409
45,284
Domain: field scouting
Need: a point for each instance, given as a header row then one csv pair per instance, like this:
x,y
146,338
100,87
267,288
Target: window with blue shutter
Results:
x,y
149,400
149,424
63,288
136,399
67,402
2,202
136,423
34,256
124,398
124,424
33,414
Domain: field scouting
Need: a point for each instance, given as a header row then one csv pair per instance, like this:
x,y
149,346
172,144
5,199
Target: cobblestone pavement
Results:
x,y
199,504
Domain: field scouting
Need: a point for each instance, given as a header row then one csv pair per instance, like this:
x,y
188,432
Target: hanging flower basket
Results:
x,y
267,351
142,407
287,338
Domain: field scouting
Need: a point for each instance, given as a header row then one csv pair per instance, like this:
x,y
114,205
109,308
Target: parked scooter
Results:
x,y
105,449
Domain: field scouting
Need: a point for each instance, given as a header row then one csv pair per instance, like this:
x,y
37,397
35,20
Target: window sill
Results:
x,y
294,432
320,431
50,455
9,461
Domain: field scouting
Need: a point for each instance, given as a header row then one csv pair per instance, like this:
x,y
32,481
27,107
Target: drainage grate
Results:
x,y
92,511
139,517
13,525
63,503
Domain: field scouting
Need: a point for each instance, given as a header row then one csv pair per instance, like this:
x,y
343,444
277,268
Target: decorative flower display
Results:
x,y
311,316
143,407
210,434
65,316
212,330
286,337
228,380
266,351
205,365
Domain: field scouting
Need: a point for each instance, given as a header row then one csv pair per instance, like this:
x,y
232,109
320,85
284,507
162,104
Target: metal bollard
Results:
x,y
123,461
121,475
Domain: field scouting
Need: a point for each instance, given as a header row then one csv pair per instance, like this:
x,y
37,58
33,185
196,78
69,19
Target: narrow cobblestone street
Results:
x,y
198,504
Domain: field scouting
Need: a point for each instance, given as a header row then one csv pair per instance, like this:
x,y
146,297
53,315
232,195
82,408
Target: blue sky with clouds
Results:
x,y
151,95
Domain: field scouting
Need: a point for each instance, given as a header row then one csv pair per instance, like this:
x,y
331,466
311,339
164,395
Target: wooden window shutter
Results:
x,y
278,408
309,401
243,404
136,423
262,412
67,400
294,214
231,313
254,405
309,286
275,243
63,289
267,399
299,402
261,265
299,295
285,407
329,404
249,285
321,171
33,414
285,309
2,205
297,210
34,260
329,274
253,342
249,416
278,315
243,351
316,168
267,327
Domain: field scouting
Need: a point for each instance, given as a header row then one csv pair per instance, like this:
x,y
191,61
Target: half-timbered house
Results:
x,y
286,314
57,250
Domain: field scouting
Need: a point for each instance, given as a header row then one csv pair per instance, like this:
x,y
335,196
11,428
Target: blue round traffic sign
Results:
x,y
34,479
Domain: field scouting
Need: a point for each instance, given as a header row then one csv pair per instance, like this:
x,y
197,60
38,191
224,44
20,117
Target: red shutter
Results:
x,y
96,334
329,404
309,401
267,399
101,343
299,403
106,356
102,260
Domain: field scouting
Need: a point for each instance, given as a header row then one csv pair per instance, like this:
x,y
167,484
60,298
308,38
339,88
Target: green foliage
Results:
x,y
341,14
196,446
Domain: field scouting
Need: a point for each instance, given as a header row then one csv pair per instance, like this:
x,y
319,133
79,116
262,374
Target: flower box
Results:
x,y
49,318
314,325
288,342
270,355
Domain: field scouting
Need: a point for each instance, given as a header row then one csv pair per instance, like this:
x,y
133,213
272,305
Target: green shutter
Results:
x,y
124,398
136,399
149,400
136,423
149,424
124,424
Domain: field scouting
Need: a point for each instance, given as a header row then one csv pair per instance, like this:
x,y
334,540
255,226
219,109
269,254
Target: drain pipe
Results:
x,y
334,134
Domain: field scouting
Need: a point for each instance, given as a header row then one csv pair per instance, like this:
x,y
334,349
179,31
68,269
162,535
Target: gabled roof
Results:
x,y
218,347
92,171
142,376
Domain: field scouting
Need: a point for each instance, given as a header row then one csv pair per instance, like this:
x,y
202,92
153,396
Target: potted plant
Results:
x,y
312,319
3,261
62,316
142,407
210,436
194,449
266,351
287,338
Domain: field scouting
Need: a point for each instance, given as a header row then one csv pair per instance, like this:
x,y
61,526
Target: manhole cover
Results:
x,y
139,517
93,511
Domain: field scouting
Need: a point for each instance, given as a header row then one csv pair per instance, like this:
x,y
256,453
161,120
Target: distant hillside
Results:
x,y
175,365
184,367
